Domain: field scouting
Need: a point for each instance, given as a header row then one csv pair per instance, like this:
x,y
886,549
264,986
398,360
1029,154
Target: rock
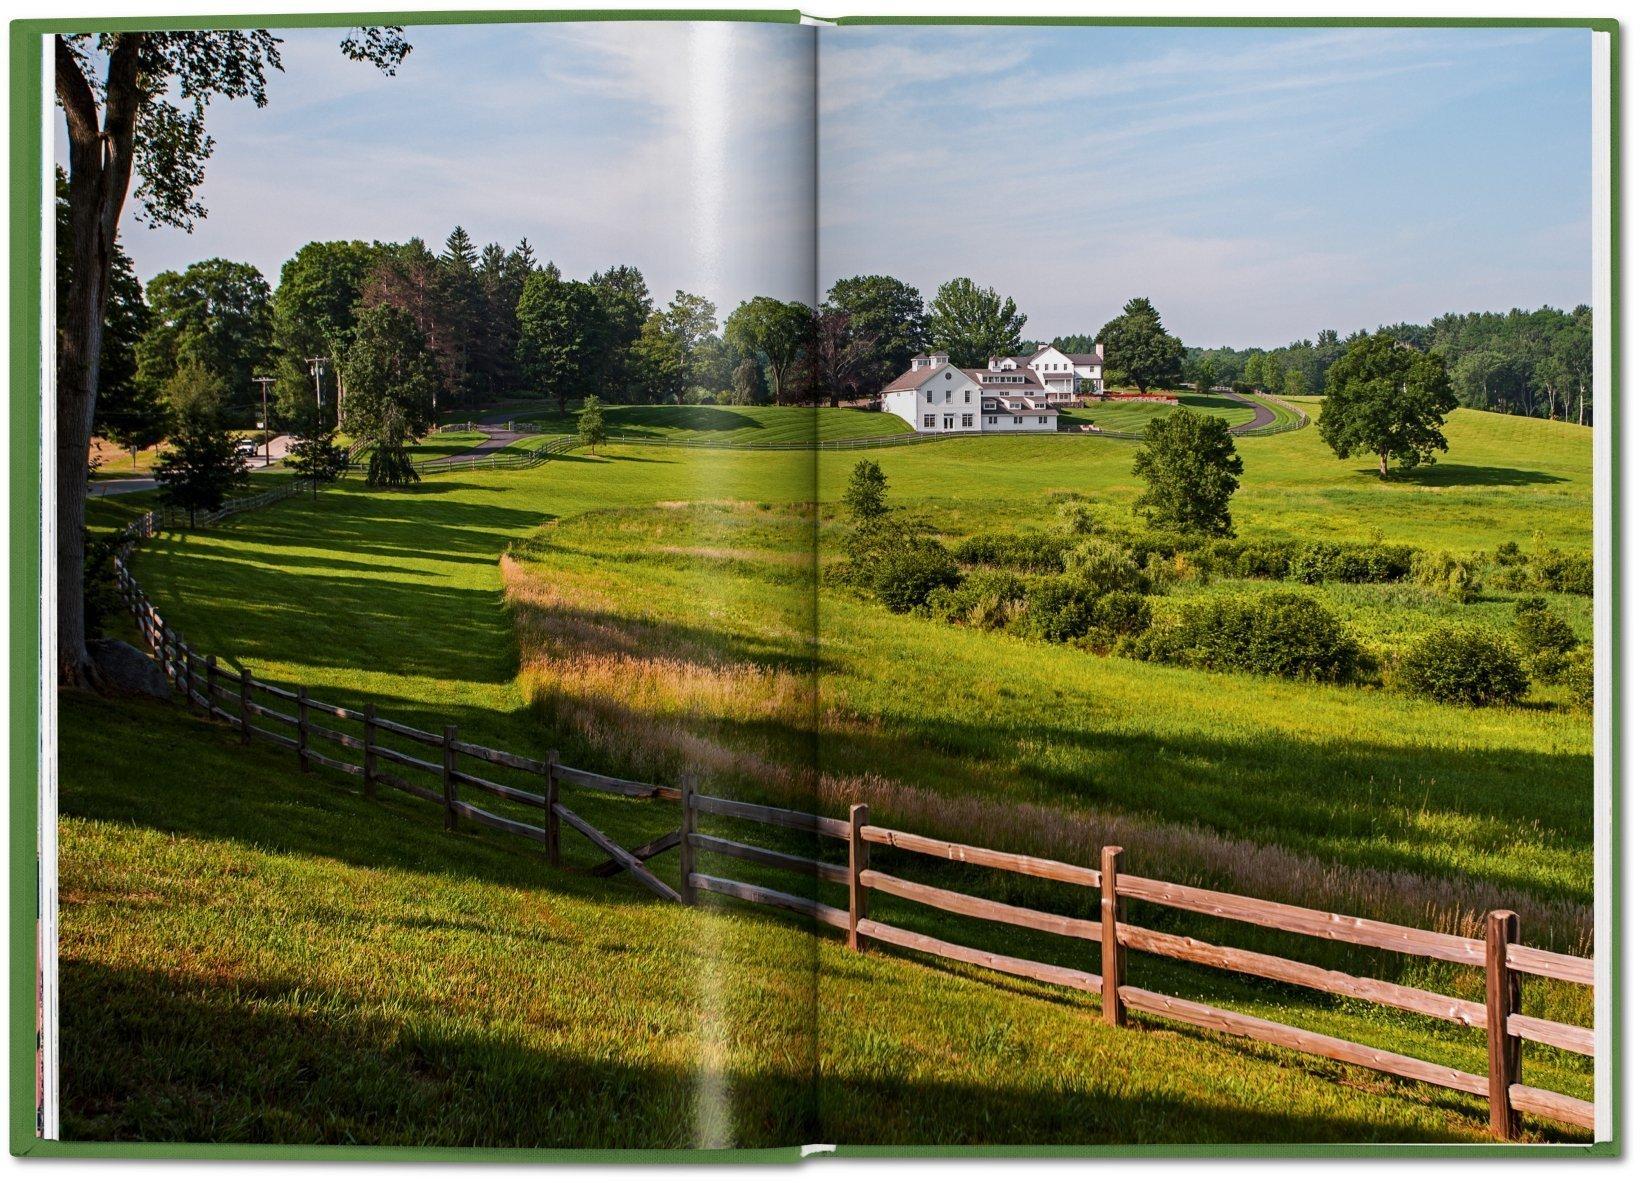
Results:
x,y
128,669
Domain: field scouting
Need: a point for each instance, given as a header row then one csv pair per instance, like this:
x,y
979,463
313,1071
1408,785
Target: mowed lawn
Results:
x,y
252,955
1124,415
736,425
656,632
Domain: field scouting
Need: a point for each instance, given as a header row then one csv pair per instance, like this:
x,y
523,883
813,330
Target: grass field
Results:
x,y
1119,415
736,425
250,955
647,630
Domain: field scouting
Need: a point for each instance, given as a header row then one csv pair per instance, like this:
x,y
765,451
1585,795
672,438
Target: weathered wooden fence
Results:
x,y
1503,957
441,769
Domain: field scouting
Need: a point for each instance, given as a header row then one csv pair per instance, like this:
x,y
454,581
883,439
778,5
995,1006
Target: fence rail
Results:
x,y
317,732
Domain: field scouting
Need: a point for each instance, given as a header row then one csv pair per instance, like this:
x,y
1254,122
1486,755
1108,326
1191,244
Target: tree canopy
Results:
x,y
886,326
972,323
1138,349
1190,468
781,331
1386,399
391,378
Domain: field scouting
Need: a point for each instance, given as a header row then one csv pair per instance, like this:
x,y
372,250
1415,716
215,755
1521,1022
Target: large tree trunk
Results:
x,y
98,178
1383,466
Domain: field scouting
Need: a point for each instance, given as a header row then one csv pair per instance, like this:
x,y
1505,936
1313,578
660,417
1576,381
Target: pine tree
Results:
x,y
314,453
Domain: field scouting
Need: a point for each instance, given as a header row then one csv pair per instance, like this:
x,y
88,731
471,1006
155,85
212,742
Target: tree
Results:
x,y
747,389
589,426
218,313
665,354
314,453
1140,350
973,324
560,328
781,331
392,382
1386,399
624,299
887,316
866,496
843,357
1190,469
1205,375
201,465
153,92
314,310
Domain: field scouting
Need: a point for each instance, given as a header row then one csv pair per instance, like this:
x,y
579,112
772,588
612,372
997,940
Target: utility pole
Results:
x,y
318,364
267,436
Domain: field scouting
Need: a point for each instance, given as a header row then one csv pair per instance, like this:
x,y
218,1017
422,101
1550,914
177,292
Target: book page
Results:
x,y
450,511
1217,667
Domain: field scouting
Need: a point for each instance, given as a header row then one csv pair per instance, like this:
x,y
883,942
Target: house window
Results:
x,y
950,421
947,396
1041,418
928,420
1019,418
968,396
930,396
991,419
948,375
967,420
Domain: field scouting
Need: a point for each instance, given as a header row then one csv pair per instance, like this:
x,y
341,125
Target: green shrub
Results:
x,y
984,599
1331,562
1076,517
1115,617
1467,665
1036,552
100,586
1542,569
1058,608
1545,637
1280,633
1578,676
1105,566
1451,576
905,578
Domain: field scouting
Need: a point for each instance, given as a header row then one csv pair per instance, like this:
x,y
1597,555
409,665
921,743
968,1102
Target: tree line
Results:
x,y
1522,363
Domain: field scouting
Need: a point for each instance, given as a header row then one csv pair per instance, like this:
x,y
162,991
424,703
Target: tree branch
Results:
x,y
74,93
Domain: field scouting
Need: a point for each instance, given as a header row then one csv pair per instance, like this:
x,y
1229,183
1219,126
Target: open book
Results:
x,y
755,585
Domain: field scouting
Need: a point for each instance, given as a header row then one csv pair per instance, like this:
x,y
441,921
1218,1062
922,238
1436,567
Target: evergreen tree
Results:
x,y
201,464
1139,350
314,453
392,382
747,388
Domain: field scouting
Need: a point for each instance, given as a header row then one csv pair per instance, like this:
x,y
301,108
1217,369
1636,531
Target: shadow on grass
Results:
x,y
1445,475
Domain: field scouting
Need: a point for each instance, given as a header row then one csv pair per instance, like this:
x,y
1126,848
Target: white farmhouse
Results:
x,y
1008,394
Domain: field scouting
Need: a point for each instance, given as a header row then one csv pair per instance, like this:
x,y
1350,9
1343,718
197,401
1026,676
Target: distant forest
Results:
x,y
1521,363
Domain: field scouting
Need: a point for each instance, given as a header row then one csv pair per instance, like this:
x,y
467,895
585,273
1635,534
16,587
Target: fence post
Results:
x,y
686,848
449,776
210,685
369,749
858,862
1502,1000
185,667
1113,959
302,727
551,819
244,705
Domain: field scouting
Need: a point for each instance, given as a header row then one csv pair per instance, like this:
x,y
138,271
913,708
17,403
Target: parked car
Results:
x,y
247,447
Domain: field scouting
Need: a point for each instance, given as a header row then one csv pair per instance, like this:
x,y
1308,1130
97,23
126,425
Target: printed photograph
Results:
x,y
728,585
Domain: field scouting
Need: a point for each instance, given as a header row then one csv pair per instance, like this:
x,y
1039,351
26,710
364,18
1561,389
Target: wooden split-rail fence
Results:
x,y
366,744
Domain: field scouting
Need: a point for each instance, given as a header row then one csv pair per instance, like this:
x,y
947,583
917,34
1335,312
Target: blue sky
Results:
x,y
1257,184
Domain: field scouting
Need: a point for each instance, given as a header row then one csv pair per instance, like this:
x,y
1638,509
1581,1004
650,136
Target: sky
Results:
x,y
1257,184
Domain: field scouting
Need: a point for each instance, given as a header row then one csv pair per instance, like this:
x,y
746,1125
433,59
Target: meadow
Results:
x,y
718,424
651,609
1118,415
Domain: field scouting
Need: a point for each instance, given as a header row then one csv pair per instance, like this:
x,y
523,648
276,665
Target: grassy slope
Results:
x,y
741,425
251,955
309,593
1125,416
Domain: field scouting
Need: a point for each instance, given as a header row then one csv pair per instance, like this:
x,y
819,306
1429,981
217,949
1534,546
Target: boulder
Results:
x,y
128,669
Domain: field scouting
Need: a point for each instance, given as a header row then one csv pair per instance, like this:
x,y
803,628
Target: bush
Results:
x,y
984,599
1105,566
1544,637
1329,562
1280,633
1449,575
102,593
1035,552
1578,676
1076,517
1058,608
1115,617
1471,666
905,579
1544,569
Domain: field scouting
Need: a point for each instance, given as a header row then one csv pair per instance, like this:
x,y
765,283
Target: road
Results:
x,y
278,448
1263,416
496,438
